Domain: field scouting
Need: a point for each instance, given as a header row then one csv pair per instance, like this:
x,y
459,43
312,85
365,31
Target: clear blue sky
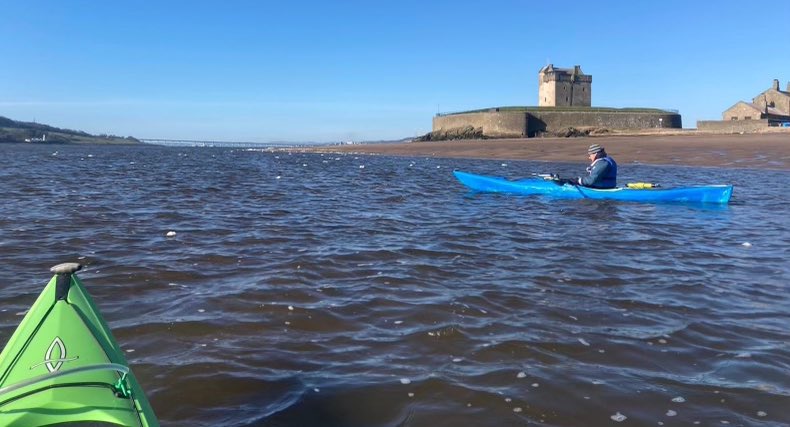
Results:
x,y
365,70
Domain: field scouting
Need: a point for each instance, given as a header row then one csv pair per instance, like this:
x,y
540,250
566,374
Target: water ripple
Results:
x,y
311,290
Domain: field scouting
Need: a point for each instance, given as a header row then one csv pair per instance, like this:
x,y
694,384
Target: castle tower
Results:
x,y
564,87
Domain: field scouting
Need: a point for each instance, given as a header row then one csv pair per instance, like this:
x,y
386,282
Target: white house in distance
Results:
x,y
42,139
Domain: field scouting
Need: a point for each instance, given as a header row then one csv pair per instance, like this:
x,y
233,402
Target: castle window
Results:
x,y
747,118
733,118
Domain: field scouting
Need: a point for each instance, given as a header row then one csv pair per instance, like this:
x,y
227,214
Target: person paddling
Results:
x,y
602,172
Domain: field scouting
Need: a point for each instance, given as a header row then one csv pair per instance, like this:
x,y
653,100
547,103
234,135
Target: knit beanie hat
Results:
x,y
594,149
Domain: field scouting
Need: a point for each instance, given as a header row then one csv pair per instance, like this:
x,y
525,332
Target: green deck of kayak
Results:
x,y
62,364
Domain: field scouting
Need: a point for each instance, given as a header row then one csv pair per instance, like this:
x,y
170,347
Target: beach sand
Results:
x,y
763,151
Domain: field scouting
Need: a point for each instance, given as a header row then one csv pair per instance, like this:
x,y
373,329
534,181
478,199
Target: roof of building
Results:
x,y
550,68
748,104
770,110
780,92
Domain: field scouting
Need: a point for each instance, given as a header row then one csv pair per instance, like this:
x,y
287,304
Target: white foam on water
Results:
x,y
746,245
762,414
581,340
678,399
171,233
405,381
671,413
521,375
619,417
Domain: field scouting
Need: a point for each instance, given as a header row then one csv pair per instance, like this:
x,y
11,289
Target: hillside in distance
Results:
x,y
13,131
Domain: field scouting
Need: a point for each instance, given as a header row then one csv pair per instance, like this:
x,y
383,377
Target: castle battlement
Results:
x,y
555,77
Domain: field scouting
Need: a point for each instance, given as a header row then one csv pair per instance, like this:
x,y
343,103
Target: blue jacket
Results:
x,y
602,174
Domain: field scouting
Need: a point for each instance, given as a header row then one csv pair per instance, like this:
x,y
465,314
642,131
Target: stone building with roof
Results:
x,y
772,105
768,109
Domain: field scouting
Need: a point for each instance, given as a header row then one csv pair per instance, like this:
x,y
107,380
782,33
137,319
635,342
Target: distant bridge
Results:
x,y
199,143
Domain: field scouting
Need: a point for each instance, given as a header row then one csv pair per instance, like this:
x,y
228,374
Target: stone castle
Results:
x,y
564,87
564,105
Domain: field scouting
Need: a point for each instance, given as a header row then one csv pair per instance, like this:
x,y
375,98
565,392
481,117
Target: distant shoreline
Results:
x,y
686,148
17,132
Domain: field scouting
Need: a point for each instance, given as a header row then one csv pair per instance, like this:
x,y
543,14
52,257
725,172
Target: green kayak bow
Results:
x,y
62,364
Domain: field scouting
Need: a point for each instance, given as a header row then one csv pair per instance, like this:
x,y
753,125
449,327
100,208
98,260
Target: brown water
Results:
x,y
310,290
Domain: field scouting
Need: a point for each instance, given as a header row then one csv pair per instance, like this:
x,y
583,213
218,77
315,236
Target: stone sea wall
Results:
x,y
493,124
732,126
553,121
521,124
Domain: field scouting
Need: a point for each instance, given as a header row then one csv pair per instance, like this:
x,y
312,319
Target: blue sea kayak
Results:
x,y
719,194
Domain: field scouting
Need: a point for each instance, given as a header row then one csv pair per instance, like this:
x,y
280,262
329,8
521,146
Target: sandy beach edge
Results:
x,y
752,151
